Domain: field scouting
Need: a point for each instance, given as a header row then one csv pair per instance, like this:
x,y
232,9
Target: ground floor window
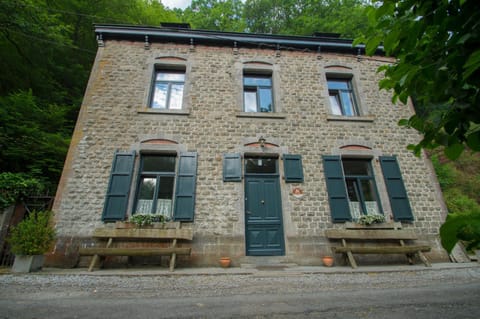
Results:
x,y
156,185
361,190
165,185
352,190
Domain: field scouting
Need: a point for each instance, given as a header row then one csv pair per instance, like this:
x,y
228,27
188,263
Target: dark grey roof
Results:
x,y
323,42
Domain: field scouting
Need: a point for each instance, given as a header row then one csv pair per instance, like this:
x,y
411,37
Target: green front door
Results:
x,y
263,209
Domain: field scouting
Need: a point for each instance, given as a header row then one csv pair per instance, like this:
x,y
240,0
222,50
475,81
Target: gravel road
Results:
x,y
204,296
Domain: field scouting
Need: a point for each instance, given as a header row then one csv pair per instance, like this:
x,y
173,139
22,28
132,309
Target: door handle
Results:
x,y
248,212
262,202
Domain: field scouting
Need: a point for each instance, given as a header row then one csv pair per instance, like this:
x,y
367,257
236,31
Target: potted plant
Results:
x,y
30,240
144,220
141,220
371,219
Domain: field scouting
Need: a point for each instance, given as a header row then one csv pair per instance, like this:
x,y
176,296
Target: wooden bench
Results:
x,y
171,233
386,238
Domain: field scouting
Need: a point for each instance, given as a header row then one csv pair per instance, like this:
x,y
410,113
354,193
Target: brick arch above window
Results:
x,y
258,144
269,142
254,63
355,147
170,58
159,141
338,67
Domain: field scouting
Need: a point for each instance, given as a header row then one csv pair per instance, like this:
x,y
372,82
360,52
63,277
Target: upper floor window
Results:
x,y
257,93
168,90
342,97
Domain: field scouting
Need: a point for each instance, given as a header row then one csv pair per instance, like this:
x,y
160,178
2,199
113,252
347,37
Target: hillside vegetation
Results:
x,y
459,180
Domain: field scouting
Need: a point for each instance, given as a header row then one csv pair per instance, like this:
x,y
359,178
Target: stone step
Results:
x,y
268,266
266,263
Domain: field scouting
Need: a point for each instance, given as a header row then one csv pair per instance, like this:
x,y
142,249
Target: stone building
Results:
x,y
258,142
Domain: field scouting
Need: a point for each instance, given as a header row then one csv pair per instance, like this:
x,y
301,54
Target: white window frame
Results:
x,y
170,84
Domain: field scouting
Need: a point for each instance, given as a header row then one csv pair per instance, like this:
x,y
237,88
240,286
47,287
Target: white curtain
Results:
x,y
164,207
356,211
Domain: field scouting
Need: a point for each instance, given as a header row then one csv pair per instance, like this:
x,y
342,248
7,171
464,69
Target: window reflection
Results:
x,y
342,101
258,95
160,96
176,96
265,100
168,90
250,101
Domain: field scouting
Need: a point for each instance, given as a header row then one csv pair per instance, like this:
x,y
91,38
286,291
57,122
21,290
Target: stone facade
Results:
x,y
115,115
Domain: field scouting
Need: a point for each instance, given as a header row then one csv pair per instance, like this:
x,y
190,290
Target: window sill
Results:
x,y
340,118
267,115
161,111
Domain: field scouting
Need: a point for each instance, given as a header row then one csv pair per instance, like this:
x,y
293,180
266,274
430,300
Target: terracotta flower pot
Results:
x,y
225,262
327,261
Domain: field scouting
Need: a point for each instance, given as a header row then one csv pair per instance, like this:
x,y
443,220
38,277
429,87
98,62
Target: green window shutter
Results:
x,y
232,167
293,169
396,189
186,183
337,191
116,200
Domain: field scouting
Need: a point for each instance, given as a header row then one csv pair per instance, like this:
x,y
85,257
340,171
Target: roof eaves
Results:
x,y
227,38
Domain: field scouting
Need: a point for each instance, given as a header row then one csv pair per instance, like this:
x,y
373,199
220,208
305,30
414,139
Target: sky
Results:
x,y
182,4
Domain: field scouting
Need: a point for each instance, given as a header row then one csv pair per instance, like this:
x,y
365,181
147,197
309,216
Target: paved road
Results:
x,y
446,293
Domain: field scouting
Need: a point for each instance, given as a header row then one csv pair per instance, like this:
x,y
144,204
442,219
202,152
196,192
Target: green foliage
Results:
x,y
446,172
460,182
305,17
47,52
295,17
146,219
15,187
464,227
459,177
34,137
265,16
458,202
28,58
371,219
438,65
469,183
219,15
34,235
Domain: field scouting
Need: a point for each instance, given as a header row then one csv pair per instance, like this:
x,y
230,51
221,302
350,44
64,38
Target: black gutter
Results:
x,y
188,36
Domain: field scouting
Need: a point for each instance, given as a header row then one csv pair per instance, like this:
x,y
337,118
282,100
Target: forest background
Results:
x,y
47,48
